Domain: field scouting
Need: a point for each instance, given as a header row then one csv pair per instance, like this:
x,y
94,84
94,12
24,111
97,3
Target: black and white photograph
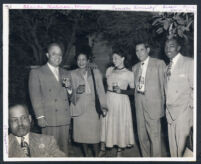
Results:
x,y
86,82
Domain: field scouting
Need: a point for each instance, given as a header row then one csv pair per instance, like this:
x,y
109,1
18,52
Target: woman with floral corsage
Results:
x,y
86,120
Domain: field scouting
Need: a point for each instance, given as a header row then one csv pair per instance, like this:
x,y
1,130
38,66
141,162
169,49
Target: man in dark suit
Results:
x,y
149,100
179,96
50,99
22,142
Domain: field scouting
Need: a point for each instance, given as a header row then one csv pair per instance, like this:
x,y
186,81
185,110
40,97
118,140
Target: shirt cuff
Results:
x,y
40,117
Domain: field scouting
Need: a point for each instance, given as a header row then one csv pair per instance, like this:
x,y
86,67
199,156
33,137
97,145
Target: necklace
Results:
x,y
119,68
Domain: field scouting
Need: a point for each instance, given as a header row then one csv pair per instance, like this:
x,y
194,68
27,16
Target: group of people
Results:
x,y
58,95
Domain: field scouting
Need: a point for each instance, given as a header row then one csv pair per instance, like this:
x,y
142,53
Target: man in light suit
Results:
x,y
50,99
149,100
179,97
23,143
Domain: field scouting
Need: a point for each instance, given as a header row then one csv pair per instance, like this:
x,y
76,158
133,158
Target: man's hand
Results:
x,y
80,89
116,89
42,122
66,82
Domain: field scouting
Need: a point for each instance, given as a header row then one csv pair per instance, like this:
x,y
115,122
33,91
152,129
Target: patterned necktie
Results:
x,y
168,73
141,79
25,147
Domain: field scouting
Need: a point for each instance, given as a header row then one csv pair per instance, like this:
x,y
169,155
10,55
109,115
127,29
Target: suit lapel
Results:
x,y
178,65
32,145
14,148
52,79
149,69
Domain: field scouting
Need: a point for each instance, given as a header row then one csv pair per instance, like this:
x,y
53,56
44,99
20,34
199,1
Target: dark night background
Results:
x,y
31,31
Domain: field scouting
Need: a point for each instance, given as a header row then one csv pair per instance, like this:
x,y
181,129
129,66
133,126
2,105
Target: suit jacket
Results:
x,y
48,97
78,79
179,88
154,86
40,146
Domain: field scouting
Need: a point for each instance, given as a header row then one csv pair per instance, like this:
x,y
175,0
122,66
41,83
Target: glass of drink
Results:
x,y
66,82
114,86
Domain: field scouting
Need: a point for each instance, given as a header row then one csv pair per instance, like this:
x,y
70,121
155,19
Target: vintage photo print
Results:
x,y
87,82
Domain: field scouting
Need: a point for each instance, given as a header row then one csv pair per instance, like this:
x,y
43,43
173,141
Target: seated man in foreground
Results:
x,y
22,142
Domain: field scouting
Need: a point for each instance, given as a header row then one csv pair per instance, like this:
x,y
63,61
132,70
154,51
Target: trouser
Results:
x,y
149,130
178,132
61,134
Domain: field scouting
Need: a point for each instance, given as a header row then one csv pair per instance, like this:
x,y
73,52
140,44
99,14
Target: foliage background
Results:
x,y
30,31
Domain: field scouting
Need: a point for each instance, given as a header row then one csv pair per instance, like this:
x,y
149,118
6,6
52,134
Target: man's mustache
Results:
x,y
22,127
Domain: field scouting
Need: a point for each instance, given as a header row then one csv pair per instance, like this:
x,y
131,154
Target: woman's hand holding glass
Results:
x,y
80,89
115,87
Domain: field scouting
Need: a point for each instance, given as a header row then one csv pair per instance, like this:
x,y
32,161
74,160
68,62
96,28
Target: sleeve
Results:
x,y
108,71
131,79
53,149
100,88
134,70
191,80
35,93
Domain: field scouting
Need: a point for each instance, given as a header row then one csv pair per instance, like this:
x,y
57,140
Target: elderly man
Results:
x,y
149,75
22,142
179,97
50,90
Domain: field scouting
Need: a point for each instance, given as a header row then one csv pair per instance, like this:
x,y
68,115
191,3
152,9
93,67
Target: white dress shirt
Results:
x,y
55,71
26,139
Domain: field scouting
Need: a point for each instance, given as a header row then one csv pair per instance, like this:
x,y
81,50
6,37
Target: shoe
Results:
x,y
101,153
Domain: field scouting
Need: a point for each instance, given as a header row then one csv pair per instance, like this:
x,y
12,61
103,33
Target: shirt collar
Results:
x,y
175,59
145,61
51,67
26,138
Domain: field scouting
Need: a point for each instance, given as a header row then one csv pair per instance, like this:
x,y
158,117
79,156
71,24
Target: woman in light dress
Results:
x,y
117,126
86,121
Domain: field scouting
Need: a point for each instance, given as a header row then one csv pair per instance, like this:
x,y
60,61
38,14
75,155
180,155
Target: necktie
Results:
x,y
168,73
141,80
25,147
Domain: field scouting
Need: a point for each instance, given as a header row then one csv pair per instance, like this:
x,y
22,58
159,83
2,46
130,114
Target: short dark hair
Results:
x,y
176,39
55,44
146,44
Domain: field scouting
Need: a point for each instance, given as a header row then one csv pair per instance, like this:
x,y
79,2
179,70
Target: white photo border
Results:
x,y
113,7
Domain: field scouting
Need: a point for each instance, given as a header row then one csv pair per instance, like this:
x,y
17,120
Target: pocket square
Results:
x,y
41,146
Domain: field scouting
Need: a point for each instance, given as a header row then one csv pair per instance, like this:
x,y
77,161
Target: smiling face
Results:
x,y
172,48
118,60
82,61
142,52
54,55
19,120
